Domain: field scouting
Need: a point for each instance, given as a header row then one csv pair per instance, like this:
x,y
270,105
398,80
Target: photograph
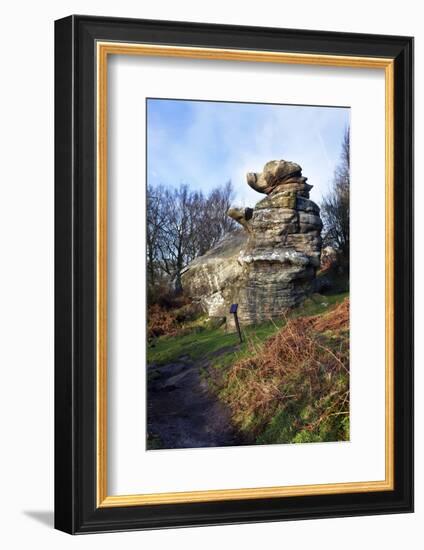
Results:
x,y
247,273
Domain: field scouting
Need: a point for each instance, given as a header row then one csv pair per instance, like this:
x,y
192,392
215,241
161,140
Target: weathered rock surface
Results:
x,y
212,278
270,264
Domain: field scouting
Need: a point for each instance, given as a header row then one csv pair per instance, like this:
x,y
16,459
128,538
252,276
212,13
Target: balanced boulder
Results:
x,y
268,265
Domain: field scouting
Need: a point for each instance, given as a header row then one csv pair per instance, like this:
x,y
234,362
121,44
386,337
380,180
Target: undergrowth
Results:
x,y
201,340
288,382
171,321
296,387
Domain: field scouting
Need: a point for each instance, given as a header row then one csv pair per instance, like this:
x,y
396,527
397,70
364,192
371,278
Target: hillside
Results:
x,y
287,382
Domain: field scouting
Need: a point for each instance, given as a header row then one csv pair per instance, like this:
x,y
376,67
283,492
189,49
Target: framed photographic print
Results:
x,y
233,268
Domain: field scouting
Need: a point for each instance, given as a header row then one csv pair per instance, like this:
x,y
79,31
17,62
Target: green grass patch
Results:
x,y
318,304
199,344
200,341
167,349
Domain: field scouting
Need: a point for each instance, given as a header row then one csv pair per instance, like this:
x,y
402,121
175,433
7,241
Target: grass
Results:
x,y
200,340
203,342
318,304
168,349
293,389
296,388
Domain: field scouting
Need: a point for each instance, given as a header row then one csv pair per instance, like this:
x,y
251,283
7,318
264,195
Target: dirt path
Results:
x,y
182,412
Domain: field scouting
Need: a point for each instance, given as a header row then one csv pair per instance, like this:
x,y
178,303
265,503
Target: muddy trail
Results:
x,y
182,412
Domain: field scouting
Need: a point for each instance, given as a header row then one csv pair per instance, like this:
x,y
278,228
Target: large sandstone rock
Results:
x,y
211,279
270,264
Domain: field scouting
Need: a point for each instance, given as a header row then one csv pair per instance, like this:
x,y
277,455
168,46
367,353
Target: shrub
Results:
x,y
160,321
170,316
295,388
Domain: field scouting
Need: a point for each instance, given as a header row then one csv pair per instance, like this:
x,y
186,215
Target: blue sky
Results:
x,y
206,143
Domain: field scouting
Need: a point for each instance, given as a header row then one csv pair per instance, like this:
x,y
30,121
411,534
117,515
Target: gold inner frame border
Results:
x,y
103,50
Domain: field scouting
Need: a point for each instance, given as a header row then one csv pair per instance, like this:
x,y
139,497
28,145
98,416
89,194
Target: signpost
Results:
x,y
233,310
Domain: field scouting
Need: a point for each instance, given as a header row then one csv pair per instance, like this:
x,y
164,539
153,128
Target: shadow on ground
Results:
x,y
46,517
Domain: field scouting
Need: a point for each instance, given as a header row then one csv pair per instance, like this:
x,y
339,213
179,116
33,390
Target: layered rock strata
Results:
x,y
270,264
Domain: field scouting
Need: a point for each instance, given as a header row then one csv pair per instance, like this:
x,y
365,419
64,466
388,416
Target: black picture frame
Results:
x,y
76,510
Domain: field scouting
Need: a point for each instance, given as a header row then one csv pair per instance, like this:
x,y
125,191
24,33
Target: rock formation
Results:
x,y
270,264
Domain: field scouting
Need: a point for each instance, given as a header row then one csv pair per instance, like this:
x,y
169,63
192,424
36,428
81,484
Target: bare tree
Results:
x,y
335,205
181,225
155,220
176,243
216,223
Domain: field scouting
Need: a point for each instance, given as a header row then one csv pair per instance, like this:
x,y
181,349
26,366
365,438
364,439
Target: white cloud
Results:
x,y
225,141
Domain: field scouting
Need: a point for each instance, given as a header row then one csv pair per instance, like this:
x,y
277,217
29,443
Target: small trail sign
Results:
x,y
233,310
